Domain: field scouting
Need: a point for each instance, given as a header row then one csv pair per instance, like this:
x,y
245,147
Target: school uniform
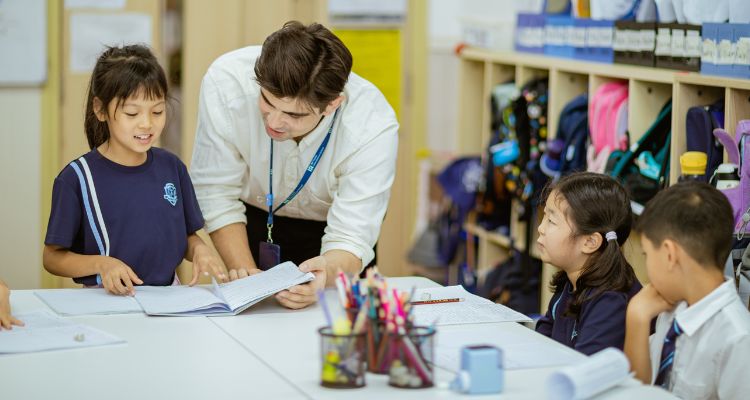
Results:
x,y
140,215
712,350
342,205
600,323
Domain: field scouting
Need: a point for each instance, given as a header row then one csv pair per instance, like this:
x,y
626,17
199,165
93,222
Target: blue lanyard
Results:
x,y
308,172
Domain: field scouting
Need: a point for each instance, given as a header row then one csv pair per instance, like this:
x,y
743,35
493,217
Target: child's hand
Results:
x,y
6,319
648,303
117,277
301,296
206,262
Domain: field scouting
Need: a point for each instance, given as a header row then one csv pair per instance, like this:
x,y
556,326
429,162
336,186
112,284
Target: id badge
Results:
x,y
269,254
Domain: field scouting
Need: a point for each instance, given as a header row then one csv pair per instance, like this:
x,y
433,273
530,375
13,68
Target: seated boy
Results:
x,y
701,345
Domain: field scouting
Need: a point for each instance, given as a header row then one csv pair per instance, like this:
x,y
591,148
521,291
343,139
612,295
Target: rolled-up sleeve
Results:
x,y
360,202
217,169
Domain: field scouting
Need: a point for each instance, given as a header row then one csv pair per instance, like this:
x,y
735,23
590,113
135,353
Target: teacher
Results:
x,y
294,158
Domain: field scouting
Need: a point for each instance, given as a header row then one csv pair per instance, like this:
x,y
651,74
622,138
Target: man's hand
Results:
x,y
6,319
301,296
207,263
239,273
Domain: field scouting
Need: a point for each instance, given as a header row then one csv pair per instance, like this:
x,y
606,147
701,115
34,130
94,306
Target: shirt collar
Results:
x,y
316,136
692,318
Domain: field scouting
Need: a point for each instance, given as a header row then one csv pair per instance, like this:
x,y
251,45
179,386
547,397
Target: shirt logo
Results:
x,y
170,193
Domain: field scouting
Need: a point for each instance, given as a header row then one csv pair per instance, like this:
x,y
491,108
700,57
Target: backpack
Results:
x,y
700,124
511,284
608,121
643,169
738,151
494,201
567,152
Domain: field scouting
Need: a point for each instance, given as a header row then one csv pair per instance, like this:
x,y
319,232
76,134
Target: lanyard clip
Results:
x,y
269,227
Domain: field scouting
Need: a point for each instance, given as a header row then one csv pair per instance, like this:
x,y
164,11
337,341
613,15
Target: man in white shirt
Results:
x,y
329,137
702,339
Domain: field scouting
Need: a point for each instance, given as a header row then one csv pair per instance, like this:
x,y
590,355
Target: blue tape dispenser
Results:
x,y
481,370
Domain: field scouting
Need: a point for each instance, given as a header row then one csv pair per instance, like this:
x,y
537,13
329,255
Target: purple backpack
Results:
x,y
738,150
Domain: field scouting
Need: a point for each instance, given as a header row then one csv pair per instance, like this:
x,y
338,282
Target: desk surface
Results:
x,y
267,352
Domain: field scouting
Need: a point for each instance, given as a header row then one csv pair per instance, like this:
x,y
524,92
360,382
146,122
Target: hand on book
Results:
x,y
301,296
116,276
205,262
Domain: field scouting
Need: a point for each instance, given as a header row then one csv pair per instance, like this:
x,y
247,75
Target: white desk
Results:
x,y
267,352
165,358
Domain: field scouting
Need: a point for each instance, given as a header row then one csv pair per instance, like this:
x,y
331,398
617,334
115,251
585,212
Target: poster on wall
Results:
x,y
90,34
23,42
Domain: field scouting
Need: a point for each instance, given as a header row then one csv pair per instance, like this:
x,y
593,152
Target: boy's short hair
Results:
x,y
695,215
308,63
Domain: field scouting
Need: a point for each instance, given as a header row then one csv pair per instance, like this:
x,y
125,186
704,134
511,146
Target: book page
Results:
x,y
166,300
46,331
247,291
87,301
583,380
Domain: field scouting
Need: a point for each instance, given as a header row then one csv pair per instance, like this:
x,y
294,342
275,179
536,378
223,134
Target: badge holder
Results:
x,y
269,253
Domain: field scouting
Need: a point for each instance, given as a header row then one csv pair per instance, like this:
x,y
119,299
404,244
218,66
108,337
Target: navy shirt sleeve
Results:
x,y
65,214
193,216
545,324
602,323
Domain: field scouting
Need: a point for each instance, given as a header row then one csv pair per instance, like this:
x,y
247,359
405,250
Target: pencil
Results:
x,y
438,301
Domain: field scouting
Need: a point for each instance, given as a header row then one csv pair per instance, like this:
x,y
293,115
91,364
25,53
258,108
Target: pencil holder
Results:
x,y
342,359
409,358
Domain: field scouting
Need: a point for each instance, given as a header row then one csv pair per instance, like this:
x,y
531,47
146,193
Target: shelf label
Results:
x,y
678,43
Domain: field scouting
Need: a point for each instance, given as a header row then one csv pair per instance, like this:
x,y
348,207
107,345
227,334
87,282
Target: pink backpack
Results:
x,y
608,123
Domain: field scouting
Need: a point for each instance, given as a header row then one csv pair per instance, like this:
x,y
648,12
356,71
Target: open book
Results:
x,y
220,299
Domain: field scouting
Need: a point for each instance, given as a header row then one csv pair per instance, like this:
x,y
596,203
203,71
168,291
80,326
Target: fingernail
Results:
x,y
205,273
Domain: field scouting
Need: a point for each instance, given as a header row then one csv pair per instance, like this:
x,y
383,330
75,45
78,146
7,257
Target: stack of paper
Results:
x,y
46,331
472,309
601,371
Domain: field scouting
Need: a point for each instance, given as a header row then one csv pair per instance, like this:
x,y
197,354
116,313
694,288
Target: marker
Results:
x,y
438,301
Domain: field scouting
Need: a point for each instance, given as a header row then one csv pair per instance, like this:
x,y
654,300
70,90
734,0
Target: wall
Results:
x,y
20,161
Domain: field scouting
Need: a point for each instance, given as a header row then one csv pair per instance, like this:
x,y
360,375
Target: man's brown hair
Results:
x,y
308,63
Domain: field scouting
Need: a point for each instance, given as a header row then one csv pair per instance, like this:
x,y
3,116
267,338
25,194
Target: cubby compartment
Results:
x,y
645,101
563,87
737,107
471,107
525,74
688,95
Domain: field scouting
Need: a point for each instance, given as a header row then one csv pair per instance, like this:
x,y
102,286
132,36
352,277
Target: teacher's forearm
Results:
x,y
341,260
232,244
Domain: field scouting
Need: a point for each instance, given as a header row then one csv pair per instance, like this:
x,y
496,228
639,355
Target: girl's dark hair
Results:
x,y
119,73
305,62
596,204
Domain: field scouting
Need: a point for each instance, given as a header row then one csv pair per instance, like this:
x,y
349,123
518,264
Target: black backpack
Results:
x,y
699,126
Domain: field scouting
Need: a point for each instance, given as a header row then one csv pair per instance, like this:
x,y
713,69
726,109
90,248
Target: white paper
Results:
x,y
100,4
224,299
521,350
472,310
87,301
91,33
23,42
598,373
45,331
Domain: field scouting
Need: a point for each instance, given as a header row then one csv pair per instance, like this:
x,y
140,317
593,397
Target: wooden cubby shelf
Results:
x,y
649,89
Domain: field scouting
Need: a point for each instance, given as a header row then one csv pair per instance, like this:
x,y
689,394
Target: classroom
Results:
x,y
320,199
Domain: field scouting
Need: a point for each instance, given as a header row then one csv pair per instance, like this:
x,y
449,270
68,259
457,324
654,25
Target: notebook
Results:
x,y
220,299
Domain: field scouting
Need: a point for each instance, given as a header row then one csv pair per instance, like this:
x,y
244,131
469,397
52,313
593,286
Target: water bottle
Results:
x,y
693,166
726,176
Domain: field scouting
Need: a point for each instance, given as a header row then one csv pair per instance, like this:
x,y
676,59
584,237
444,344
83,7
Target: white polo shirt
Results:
x,y
350,187
712,354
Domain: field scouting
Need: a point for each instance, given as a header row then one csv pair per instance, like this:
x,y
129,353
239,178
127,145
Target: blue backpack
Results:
x,y
567,152
700,124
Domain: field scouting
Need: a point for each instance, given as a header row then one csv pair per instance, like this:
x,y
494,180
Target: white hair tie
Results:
x,y
611,235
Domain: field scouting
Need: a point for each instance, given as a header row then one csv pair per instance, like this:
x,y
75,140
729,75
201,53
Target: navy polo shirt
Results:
x,y
140,215
600,324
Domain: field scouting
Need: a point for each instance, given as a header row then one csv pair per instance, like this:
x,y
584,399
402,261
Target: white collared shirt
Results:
x,y
712,354
350,187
